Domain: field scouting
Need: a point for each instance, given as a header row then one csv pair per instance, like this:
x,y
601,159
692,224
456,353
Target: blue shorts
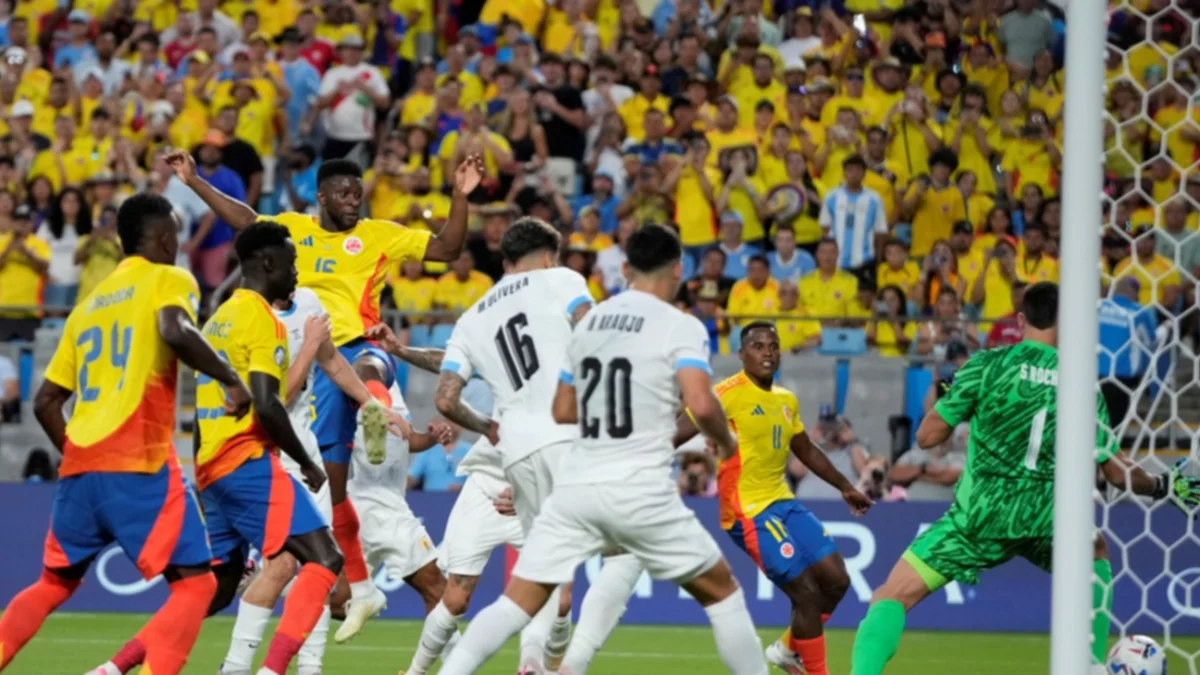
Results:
x,y
154,518
784,540
257,505
336,415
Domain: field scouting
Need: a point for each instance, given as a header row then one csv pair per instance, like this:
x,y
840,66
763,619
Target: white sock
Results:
x,y
440,626
560,637
266,671
535,635
455,638
361,589
602,608
486,634
312,652
248,631
737,641
109,668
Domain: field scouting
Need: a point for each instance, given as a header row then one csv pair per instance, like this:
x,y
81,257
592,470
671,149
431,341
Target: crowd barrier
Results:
x,y
1012,598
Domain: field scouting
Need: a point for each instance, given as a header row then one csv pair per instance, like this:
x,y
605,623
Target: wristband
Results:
x,y
1162,486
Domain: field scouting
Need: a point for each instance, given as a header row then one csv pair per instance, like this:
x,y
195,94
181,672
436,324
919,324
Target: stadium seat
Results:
x,y
843,342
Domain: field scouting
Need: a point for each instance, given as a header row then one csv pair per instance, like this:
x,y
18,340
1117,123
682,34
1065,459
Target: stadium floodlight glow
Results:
x,y
1071,599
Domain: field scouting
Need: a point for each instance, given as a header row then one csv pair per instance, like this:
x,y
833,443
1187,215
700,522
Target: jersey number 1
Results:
x,y
1036,432
517,351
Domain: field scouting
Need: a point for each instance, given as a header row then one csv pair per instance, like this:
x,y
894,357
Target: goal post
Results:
x,y
1083,155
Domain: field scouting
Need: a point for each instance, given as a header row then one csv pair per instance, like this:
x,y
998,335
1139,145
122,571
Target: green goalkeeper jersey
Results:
x,y
1009,396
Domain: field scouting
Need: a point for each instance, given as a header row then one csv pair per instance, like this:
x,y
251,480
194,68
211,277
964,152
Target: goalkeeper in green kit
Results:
x,y
1004,501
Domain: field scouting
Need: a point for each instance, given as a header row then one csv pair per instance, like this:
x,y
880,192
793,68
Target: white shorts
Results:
x,y
392,536
323,499
654,525
532,478
475,528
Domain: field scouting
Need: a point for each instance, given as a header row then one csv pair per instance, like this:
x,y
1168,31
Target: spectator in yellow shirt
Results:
x,y
412,291
728,134
633,111
24,264
898,270
695,186
970,259
589,237
417,107
977,205
98,253
459,288
1158,278
67,162
889,328
993,288
934,203
1033,158
828,292
1036,265
796,331
755,296
761,87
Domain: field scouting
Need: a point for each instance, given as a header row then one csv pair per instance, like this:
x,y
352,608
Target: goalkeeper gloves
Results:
x,y
1185,489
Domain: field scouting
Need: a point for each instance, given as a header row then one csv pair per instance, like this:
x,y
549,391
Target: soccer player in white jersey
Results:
x,y
631,358
308,329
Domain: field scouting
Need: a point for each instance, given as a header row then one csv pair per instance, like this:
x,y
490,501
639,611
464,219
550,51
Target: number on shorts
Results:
x,y
617,378
517,351
1036,431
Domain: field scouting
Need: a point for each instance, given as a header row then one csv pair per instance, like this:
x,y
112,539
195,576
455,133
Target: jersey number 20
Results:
x,y
618,420
517,351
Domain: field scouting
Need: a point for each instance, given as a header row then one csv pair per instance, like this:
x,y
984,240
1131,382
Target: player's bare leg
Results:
x,y
737,642
601,610
496,623
164,642
879,633
814,595
366,601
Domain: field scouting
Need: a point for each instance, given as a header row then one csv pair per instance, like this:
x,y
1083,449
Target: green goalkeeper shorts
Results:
x,y
951,550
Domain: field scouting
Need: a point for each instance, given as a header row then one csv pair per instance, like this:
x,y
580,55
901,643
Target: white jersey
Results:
x,y
622,361
304,305
515,338
384,483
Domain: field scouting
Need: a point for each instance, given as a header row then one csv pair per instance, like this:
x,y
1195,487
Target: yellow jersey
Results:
x,y
598,243
1153,277
970,264
347,270
122,372
20,283
458,295
935,216
417,108
106,255
1042,268
997,294
747,301
906,278
633,113
696,216
764,423
245,332
413,296
828,298
795,328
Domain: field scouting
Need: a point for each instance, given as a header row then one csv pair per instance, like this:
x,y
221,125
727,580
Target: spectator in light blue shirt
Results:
x,y
737,252
303,80
436,469
789,263
603,199
80,48
302,178
855,217
1127,345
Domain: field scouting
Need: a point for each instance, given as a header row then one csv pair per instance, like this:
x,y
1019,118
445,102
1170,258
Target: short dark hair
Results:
x,y
652,248
755,325
257,237
336,168
1041,305
528,235
895,241
855,160
945,157
759,258
1038,227
827,240
134,215
717,250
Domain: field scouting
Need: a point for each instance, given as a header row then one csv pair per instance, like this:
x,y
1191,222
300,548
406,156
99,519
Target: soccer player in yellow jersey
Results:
x,y
249,498
758,509
345,260
120,479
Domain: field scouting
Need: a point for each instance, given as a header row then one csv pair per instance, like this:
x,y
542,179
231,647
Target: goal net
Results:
x,y
1150,259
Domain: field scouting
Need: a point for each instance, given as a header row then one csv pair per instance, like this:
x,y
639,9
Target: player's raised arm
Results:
x,y
956,406
232,211
428,359
447,245
1122,473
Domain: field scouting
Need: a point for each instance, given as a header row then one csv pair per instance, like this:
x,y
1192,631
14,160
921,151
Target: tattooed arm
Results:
x,y
428,359
448,400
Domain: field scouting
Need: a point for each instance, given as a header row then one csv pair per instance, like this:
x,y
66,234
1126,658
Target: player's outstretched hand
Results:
x,y
857,501
504,503
385,336
397,425
182,164
1185,489
442,432
469,174
237,400
314,477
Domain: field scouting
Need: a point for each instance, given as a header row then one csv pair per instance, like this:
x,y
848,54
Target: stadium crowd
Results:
x,y
886,164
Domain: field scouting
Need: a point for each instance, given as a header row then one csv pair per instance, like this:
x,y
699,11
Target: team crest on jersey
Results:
x,y
352,245
280,356
787,550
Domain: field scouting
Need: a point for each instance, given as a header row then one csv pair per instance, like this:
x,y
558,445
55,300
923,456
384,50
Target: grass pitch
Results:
x,y
72,643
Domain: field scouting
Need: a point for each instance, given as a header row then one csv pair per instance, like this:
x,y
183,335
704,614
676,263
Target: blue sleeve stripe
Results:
x,y
574,304
452,366
699,364
566,378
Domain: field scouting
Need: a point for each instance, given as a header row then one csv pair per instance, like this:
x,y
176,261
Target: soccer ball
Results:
x,y
1137,655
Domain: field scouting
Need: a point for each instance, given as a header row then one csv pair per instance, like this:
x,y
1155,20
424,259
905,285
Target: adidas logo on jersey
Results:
x,y
757,411
307,241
